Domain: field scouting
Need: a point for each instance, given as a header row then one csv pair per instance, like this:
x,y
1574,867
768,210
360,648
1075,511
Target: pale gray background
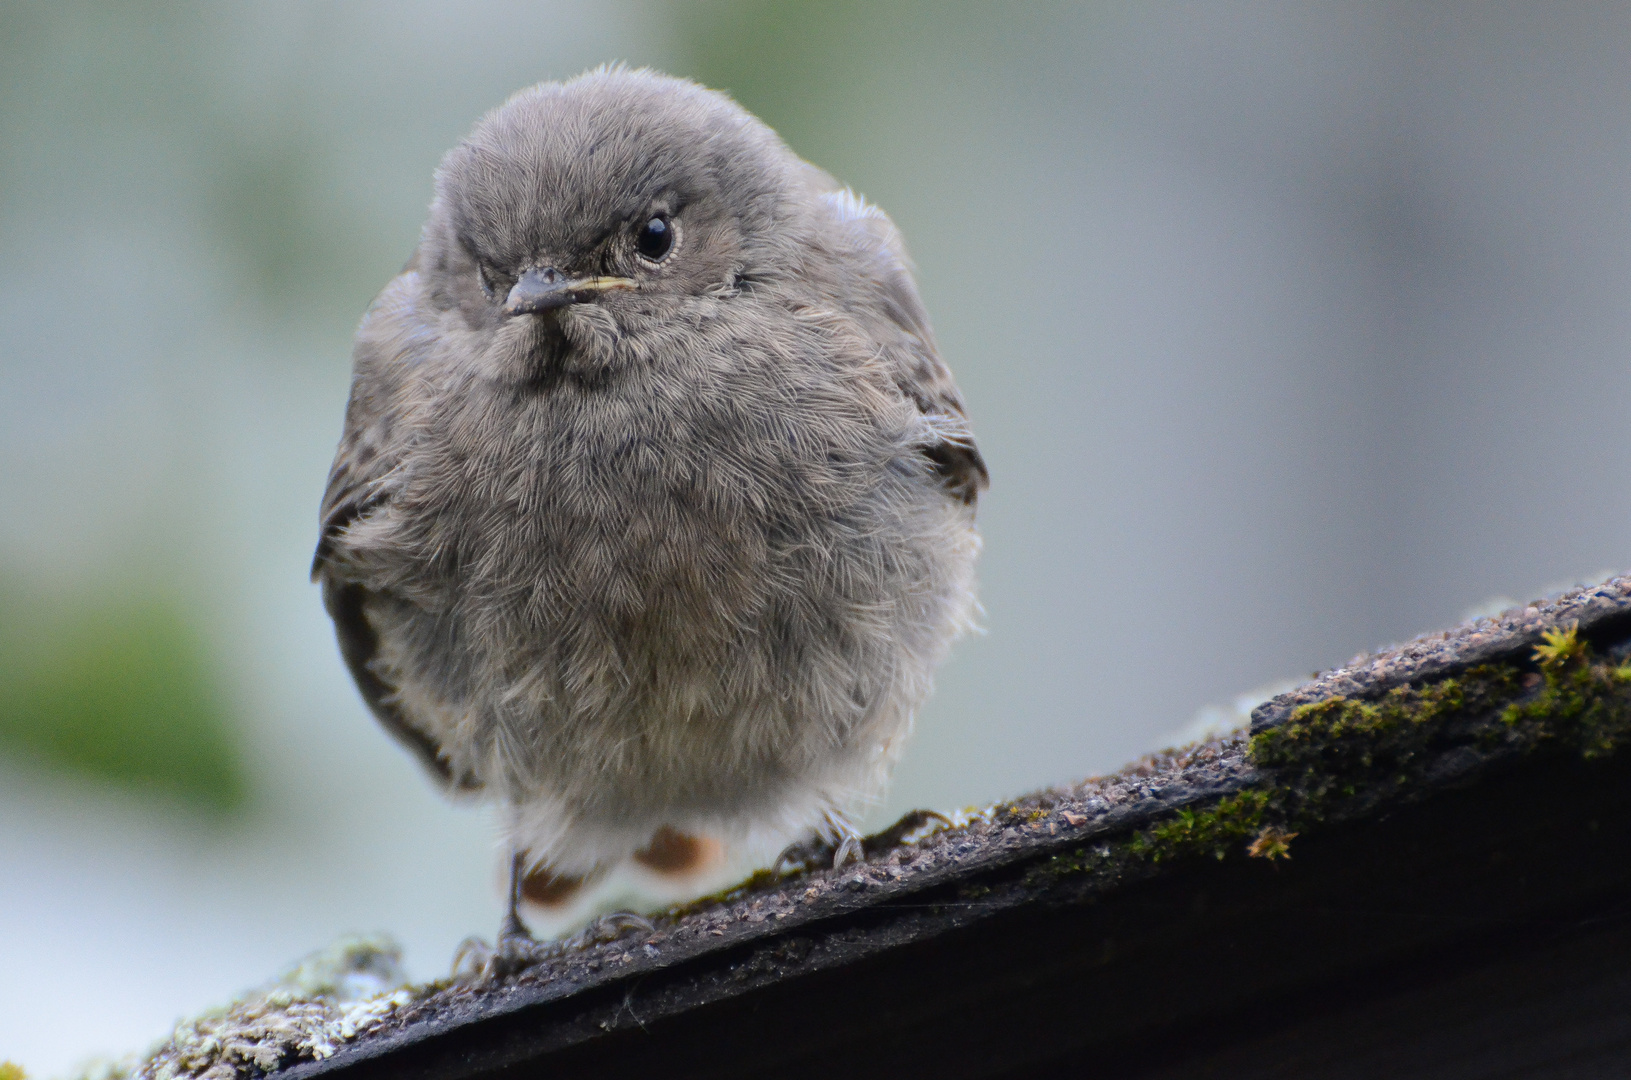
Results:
x,y
1287,330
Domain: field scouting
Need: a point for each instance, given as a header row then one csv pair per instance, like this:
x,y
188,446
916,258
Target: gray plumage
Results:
x,y
678,542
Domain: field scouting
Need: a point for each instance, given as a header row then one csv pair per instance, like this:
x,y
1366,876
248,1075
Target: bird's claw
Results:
x,y
803,856
894,836
470,959
612,926
818,853
476,961
852,850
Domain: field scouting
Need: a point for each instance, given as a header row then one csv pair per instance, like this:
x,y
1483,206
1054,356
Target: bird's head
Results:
x,y
579,217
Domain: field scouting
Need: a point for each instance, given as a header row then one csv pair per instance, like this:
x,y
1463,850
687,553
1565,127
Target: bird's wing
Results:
x,y
389,346
367,462
910,354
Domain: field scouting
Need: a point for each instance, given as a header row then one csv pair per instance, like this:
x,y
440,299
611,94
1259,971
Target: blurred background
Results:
x,y
1287,330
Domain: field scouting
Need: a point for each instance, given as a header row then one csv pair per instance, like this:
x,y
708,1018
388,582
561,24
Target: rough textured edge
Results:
x,y
322,1002
1480,641
1384,728
986,842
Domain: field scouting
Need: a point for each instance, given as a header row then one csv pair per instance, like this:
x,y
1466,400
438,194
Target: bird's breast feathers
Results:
x,y
683,480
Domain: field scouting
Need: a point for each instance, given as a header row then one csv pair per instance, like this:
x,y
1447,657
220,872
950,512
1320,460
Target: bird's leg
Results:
x,y
512,927
515,948
849,850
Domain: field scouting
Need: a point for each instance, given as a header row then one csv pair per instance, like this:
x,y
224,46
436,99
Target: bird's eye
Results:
x,y
656,238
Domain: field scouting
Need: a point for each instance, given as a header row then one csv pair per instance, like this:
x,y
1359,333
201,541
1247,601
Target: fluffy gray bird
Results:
x,y
654,510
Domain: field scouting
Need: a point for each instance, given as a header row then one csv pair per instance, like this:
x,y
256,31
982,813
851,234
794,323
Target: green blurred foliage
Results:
x,y
121,690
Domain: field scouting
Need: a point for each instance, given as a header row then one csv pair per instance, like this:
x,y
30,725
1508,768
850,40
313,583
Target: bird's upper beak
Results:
x,y
546,288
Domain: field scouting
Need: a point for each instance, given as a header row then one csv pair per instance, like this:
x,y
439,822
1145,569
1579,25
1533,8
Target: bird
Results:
x,y
653,513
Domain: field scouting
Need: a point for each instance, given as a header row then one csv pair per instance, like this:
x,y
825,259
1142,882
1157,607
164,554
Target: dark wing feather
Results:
x,y
913,359
352,485
359,644
357,487
961,467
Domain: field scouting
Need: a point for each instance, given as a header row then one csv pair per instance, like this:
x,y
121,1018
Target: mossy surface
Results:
x,y
1348,748
1339,757
1334,751
1213,830
322,1002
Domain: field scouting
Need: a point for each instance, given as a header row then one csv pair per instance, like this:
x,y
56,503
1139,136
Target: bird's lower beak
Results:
x,y
544,289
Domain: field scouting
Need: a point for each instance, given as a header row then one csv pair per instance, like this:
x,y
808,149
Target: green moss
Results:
x,y
1338,756
1272,842
1212,830
1584,704
1336,749
1559,646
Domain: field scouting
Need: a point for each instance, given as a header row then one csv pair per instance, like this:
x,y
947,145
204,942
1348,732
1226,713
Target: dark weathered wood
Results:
x,y
1159,977
1469,924
1549,1003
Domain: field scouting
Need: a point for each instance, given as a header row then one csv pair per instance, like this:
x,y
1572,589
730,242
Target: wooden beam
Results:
x,y
1417,863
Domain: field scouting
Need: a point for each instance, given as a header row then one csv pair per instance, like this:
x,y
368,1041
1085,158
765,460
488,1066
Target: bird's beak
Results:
x,y
546,288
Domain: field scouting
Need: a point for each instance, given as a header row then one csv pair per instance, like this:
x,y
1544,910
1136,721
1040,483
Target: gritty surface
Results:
x,y
1512,632
981,841
322,1002
978,847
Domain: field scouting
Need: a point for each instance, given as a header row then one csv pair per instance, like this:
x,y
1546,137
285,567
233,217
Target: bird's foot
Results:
x,y
611,927
819,853
476,961
804,856
913,821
